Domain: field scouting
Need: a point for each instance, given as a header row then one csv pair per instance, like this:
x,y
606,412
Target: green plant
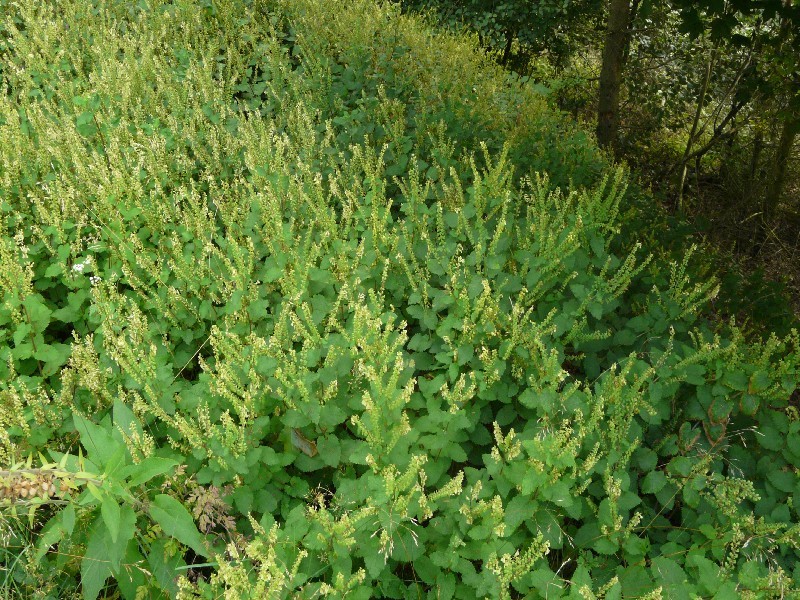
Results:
x,y
302,322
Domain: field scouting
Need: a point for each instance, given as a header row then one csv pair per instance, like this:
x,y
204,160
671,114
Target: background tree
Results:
x,y
517,30
785,75
700,96
620,17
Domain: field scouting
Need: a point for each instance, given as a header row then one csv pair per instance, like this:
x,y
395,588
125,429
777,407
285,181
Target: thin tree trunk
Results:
x,y
507,49
626,53
779,165
697,166
698,113
719,133
617,33
791,125
755,159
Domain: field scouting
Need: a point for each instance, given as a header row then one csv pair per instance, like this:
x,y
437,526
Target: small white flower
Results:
x,y
79,267
94,279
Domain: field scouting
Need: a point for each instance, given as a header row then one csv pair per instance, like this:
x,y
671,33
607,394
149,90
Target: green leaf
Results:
x,y
695,375
330,450
645,458
124,419
680,465
331,415
146,470
578,290
604,546
73,311
728,590
759,382
243,499
636,582
55,354
116,462
546,582
768,437
559,493
37,313
653,482
162,563
130,578
109,509
375,563
598,245
749,404
596,309
640,324
94,491
68,518
100,445
625,337
176,522
84,118
95,567
636,547
707,570
793,442
103,555
691,22
783,480
426,570
548,525
271,273
735,380
22,351
54,531
666,571
21,333
517,511
53,270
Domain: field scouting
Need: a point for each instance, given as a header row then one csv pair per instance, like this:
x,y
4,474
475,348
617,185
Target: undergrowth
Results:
x,y
300,298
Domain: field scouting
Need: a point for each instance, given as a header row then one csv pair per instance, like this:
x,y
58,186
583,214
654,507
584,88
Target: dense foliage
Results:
x,y
301,298
514,30
701,96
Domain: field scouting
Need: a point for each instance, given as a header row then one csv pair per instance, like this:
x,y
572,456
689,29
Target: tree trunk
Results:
x,y
779,165
617,34
752,174
772,196
698,113
507,49
791,125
